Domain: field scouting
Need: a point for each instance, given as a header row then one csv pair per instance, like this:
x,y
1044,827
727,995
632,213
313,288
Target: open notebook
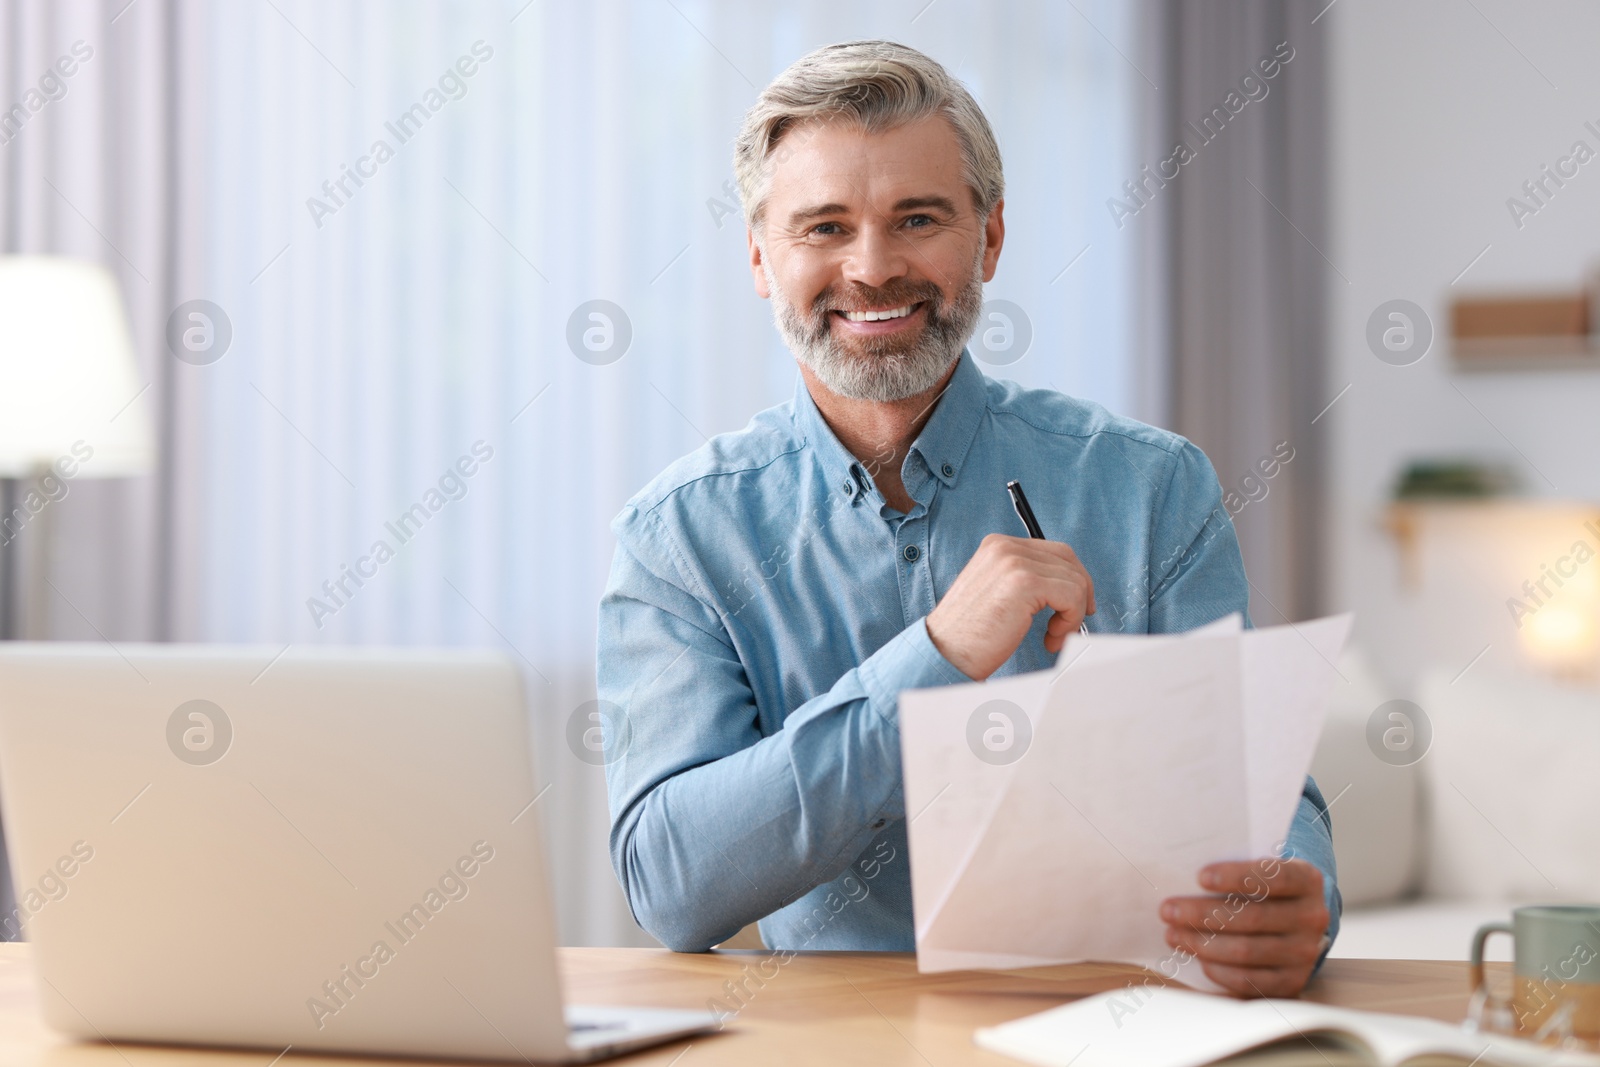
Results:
x,y
1165,1027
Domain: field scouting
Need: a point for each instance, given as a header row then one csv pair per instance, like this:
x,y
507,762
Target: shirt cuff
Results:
x,y
908,661
1310,840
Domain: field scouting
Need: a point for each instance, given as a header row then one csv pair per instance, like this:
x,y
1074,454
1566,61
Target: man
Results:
x,y
773,592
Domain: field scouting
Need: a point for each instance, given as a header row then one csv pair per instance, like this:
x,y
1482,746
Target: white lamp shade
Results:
x,y
67,373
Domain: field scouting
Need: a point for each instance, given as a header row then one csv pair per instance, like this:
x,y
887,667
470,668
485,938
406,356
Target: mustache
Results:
x,y
863,297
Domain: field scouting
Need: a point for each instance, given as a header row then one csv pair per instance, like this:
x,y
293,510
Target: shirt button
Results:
x,y
880,824
911,553
848,488
949,471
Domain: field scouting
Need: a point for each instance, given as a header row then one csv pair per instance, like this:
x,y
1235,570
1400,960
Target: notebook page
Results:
x,y
1152,1027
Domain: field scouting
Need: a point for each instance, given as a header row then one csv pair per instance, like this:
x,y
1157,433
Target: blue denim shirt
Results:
x,y
765,609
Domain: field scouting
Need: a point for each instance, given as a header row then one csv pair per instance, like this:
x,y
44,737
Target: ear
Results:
x,y
994,235
758,275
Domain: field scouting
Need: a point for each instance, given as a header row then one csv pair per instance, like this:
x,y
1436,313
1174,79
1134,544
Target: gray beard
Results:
x,y
880,369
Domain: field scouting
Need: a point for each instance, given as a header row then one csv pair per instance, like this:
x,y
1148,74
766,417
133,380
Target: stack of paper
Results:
x,y
1050,813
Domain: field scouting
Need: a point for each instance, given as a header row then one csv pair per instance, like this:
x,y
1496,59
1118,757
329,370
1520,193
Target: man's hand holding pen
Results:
x,y
990,606
1009,580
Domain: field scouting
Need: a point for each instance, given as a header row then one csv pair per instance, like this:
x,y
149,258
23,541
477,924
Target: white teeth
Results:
x,y
874,316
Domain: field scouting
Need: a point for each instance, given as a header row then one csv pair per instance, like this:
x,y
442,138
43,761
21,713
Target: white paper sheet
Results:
x,y
1149,757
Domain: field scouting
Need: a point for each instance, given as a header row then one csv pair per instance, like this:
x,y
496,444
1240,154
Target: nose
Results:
x,y
876,256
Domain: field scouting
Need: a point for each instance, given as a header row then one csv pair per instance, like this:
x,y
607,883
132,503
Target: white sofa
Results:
x,y
1504,808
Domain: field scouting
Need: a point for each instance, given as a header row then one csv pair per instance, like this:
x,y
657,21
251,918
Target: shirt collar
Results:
x,y
950,430
942,444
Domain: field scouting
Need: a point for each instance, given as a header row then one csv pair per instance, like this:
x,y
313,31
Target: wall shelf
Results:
x,y
1503,354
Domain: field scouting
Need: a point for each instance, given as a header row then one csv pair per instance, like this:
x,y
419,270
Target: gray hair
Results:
x,y
878,86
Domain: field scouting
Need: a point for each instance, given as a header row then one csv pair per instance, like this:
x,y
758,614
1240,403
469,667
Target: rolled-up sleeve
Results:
x,y
714,826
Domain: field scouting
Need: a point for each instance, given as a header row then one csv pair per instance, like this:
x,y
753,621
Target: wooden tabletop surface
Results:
x,y
818,1008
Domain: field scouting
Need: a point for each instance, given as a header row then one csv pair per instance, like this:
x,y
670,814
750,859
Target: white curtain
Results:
x,y
99,139
382,330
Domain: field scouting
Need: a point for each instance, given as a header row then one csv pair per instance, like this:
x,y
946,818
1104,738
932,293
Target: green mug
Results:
x,y
1556,973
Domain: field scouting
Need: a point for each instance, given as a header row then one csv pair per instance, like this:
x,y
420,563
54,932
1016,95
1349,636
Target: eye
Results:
x,y
821,229
919,222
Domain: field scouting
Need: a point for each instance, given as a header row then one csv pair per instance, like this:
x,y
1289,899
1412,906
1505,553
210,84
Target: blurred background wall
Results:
x,y
1440,113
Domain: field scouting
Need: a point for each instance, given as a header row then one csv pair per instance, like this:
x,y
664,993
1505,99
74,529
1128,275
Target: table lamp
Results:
x,y
1562,635
68,382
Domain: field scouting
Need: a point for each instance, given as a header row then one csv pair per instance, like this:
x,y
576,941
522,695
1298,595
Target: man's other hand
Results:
x,y
1261,939
983,618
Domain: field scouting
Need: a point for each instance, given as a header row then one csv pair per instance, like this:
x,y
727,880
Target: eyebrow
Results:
x,y
910,203
820,211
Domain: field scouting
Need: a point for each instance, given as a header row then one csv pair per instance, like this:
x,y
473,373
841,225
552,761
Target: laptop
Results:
x,y
333,850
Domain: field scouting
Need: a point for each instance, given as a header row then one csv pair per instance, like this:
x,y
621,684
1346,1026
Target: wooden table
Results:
x,y
820,1008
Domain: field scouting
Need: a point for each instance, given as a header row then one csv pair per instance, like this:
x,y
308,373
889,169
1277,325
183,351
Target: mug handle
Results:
x,y
1478,940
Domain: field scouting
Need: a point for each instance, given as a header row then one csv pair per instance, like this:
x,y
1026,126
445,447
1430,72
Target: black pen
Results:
x,y
1019,500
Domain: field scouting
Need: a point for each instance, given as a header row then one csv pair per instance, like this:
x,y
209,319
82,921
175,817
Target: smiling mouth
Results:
x,y
878,316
